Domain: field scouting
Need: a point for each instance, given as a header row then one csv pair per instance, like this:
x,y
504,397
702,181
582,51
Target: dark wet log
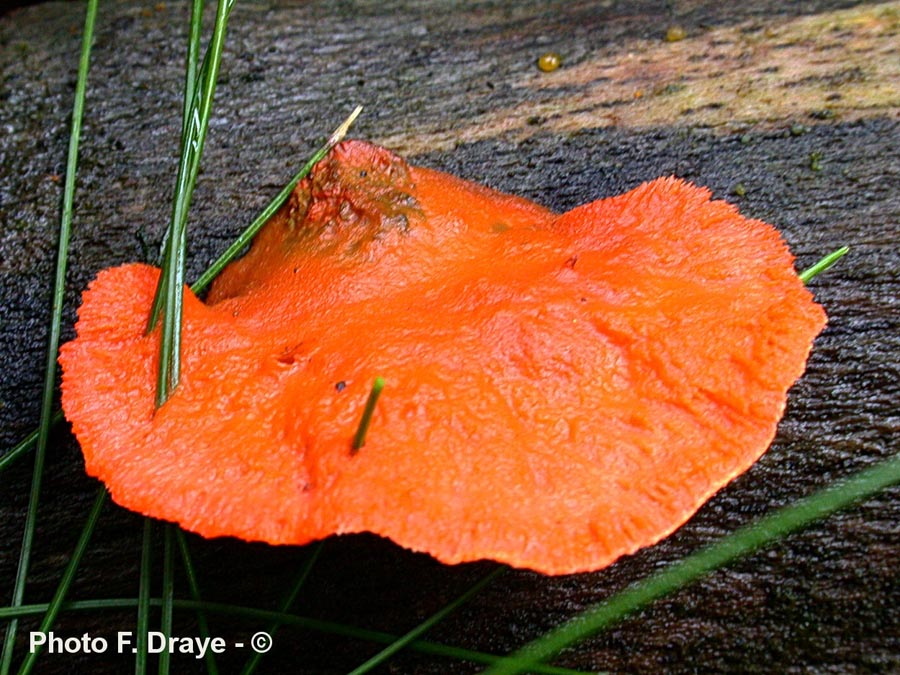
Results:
x,y
790,110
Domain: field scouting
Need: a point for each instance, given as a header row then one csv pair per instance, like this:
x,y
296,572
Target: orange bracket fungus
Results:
x,y
560,390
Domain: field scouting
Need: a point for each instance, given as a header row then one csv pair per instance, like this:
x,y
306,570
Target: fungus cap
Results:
x,y
560,389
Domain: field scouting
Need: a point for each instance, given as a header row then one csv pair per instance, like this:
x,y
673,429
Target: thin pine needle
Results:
x,y
823,264
190,66
27,443
143,601
59,287
286,604
168,595
174,265
359,439
426,625
190,88
744,541
191,574
238,245
67,578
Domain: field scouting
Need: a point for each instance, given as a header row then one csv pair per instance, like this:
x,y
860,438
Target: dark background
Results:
x,y
790,110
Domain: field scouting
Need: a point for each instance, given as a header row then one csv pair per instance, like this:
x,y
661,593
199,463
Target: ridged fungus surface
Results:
x,y
560,390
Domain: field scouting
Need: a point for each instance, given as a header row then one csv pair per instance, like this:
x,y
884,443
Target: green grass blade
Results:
x,y
823,264
68,577
143,601
767,530
425,626
168,594
174,264
203,625
238,245
286,604
59,287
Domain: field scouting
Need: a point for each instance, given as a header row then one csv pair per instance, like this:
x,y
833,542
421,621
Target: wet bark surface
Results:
x,y
808,142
